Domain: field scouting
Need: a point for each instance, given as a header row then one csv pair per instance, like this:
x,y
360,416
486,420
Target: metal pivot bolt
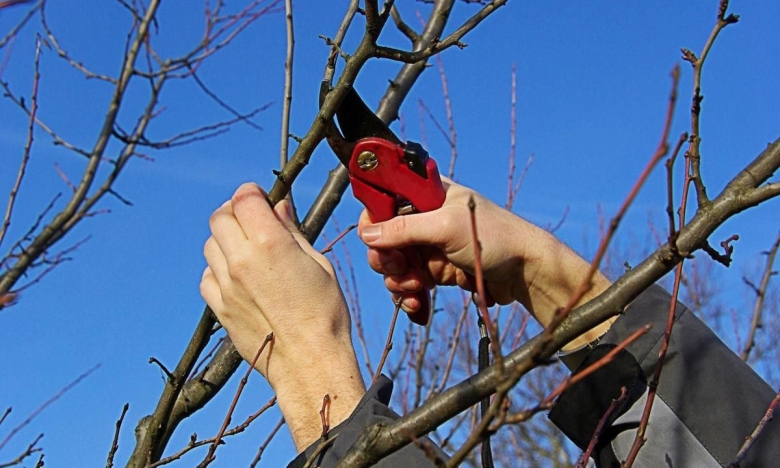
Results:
x,y
367,160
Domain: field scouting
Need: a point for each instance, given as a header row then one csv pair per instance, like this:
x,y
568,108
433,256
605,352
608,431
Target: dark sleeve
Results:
x,y
708,400
372,409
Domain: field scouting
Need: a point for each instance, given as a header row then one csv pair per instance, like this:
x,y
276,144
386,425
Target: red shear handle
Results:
x,y
385,181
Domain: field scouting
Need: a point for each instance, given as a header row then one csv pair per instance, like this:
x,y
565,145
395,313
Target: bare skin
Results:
x,y
263,277
521,262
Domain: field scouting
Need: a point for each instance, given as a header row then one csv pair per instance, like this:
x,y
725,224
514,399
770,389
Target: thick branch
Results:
x,y
437,46
380,440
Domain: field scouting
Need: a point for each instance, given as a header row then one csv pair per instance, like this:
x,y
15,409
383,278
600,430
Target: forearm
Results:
x,y
301,397
557,275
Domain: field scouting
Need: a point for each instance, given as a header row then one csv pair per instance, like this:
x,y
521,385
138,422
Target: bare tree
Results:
x,y
427,364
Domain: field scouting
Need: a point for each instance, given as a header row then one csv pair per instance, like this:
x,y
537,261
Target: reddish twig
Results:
x,y
335,241
213,447
569,381
600,427
424,338
46,404
389,342
660,152
639,440
51,263
512,187
8,299
193,444
756,432
325,416
480,300
424,108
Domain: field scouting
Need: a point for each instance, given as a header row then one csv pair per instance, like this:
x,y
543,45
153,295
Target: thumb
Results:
x,y
403,231
283,211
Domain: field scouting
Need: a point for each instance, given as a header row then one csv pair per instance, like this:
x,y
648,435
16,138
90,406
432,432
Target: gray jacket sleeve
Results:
x,y
708,401
372,409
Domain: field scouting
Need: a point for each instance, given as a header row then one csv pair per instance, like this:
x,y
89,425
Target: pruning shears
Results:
x,y
389,177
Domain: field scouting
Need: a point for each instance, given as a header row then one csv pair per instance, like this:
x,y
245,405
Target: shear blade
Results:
x,y
357,121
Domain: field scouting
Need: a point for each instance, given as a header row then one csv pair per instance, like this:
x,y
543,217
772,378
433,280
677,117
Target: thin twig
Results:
x,y
325,417
388,343
498,407
481,298
756,432
115,442
27,145
600,427
434,48
652,387
193,444
340,236
15,30
30,450
660,152
670,183
213,447
450,120
265,443
288,81
206,356
453,343
46,404
698,64
758,306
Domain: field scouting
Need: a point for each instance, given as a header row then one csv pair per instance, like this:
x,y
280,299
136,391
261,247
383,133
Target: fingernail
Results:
x,y
410,285
371,233
392,268
406,305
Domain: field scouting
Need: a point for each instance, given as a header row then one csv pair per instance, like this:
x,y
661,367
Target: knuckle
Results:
x,y
398,225
239,268
213,218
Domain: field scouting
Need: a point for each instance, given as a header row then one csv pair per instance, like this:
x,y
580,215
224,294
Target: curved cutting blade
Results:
x,y
358,121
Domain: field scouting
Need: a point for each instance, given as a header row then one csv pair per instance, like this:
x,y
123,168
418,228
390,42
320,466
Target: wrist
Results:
x,y
302,384
557,273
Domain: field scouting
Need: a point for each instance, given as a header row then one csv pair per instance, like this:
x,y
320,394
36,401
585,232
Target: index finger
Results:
x,y
254,213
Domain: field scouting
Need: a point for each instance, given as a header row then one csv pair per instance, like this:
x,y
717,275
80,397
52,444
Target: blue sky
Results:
x,y
592,87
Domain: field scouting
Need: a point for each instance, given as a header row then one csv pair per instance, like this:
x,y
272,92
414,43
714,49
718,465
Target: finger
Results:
x,y
410,303
283,211
413,229
225,229
404,284
217,264
255,215
210,291
387,262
